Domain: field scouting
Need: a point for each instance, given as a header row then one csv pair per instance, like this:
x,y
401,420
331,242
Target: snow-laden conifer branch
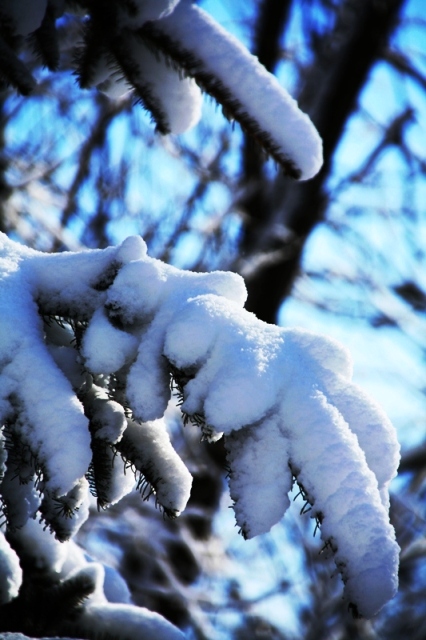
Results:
x,y
44,40
162,51
173,100
13,71
247,92
81,401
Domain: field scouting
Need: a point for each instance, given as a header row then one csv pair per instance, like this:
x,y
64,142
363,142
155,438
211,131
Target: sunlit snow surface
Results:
x,y
283,398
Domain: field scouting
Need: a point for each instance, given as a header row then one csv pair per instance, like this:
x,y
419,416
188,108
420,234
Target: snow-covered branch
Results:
x,y
164,52
248,93
91,345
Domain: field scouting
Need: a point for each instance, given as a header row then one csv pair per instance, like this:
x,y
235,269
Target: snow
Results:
x,y
332,469
89,342
66,282
248,92
10,572
20,499
126,622
142,288
165,51
44,552
259,482
159,463
292,399
115,587
106,349
372,427
283,398
114,85
229,398
177,98
146,10
43,379
107,417
174,100
46,399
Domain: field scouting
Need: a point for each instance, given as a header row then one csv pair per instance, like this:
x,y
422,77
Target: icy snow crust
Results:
x,y
99,385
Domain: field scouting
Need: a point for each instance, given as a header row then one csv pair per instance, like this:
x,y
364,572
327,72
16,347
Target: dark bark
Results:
x,y
272,16
107,111
268,30
344,59
413,461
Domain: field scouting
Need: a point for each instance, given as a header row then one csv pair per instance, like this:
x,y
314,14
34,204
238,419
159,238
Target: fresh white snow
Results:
x,y
283,398
247,91
10,572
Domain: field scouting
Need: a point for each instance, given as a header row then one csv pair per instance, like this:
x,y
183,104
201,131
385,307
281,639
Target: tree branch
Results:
x,y
332,86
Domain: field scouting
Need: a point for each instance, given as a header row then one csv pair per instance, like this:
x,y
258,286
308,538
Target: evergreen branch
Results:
x,y
21,461
107,277
76,325
232,108
178,380
44,40
58,512
45,605
97,32
122,51
13,71
100,472
145,473
117,391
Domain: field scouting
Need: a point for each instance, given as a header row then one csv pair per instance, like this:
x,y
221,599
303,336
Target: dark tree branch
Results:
x,y
272,16
413,461
392,136
272,19
107,111
332,86
402,64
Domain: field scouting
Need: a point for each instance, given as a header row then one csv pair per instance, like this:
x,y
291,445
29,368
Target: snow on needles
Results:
x,y
166,52
248,93
165,49
89,345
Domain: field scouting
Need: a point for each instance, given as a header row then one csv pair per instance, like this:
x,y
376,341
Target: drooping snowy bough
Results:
x,y
165,52
89,346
